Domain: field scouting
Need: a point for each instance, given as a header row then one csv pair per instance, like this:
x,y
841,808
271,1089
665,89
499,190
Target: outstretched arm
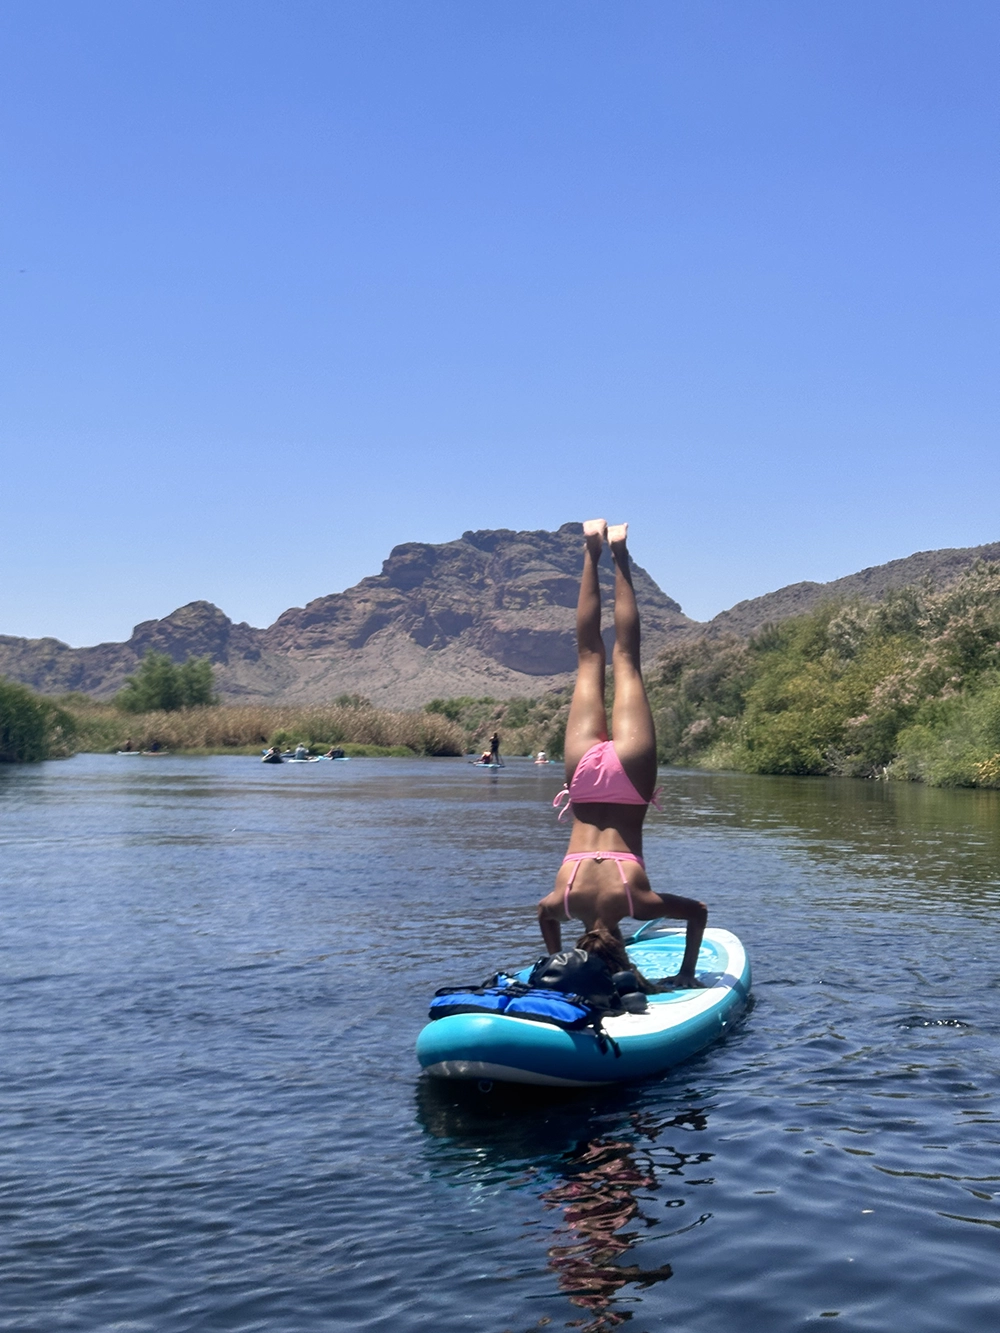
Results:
x,y
696,916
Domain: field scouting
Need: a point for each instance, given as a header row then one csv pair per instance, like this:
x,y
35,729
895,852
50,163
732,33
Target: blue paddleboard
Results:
x,y
676,1024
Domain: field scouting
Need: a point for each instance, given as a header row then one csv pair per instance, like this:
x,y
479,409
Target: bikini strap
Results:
x,y
569,882
654,802
557,803
621,870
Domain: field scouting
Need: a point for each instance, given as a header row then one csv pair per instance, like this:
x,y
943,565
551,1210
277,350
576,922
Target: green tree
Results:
x,y
197,683
160,684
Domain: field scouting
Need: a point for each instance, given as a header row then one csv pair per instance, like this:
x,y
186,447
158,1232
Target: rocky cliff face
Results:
x,y
490,613
508,596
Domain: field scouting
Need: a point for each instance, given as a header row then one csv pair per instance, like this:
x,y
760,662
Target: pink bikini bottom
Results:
x,y
619,857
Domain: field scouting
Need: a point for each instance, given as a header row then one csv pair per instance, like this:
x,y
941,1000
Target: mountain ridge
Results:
x,y
942,567
491,612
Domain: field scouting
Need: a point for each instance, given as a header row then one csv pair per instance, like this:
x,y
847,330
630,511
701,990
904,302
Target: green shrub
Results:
x,y
811,703
31,728
525,725
954,741
163,685
555,740
449,708
696,688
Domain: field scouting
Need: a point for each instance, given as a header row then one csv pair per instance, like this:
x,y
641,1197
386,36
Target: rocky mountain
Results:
x,y
489,614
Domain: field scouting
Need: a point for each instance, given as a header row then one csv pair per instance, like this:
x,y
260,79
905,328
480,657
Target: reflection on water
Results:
x,y
599,1197
600,1188
901,838
864,907
598,1200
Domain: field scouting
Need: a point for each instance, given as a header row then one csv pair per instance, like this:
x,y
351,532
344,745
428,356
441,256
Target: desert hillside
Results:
x,y
939,569
491,613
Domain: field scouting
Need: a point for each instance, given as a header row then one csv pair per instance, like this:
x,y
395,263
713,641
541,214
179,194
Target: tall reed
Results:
x,y
102,727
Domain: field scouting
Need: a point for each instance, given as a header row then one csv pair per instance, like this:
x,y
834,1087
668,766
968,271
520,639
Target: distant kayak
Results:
x,y
479,763
272,759
312,759
127,754
676,1024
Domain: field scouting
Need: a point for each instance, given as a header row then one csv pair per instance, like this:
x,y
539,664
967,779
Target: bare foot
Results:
x,y
617,535
595,530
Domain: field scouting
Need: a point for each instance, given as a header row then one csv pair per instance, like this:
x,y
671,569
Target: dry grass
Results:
x,y
235,727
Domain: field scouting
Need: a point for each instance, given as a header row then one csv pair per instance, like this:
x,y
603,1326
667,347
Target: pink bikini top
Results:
x,y
600,779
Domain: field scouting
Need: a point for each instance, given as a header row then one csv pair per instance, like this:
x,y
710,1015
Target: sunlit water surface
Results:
x,y
213,973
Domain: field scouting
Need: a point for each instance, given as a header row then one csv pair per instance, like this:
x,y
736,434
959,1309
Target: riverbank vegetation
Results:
x,y
905,689
444,727
525,725
32,728
248,728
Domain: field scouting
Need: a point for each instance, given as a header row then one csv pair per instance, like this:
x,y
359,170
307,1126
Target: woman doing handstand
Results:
x,y
609,785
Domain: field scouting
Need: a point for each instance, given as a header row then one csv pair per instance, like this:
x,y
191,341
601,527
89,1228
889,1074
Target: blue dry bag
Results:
x,y
548,1006
517,1001
469,1000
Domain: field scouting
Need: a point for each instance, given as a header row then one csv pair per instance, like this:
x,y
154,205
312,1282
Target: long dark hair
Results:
x,y
607,943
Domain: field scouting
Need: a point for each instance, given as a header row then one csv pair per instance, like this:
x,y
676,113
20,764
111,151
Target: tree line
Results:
x,y
33,727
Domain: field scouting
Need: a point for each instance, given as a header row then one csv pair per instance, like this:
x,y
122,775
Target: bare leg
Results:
x,y
588,723
631,721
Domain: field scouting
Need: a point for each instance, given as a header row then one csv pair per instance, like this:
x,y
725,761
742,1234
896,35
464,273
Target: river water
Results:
x,y
212,974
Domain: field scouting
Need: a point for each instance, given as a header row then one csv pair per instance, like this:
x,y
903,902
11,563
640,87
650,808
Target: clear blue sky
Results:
x,y
287,283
